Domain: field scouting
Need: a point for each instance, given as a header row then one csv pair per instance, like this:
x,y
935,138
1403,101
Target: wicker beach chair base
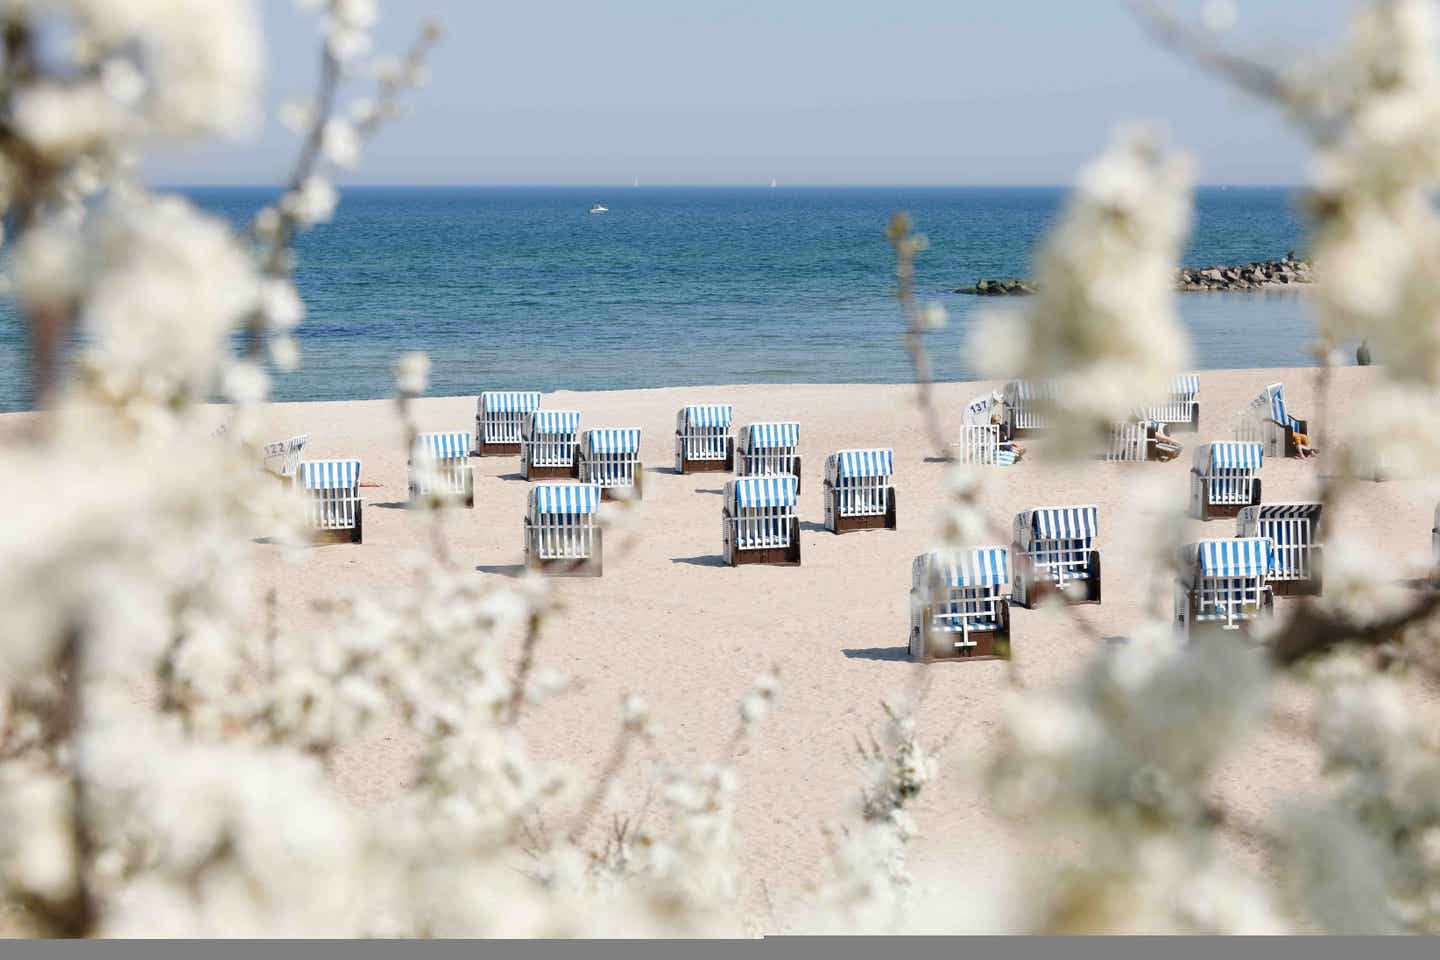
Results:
x,y
787,556
635,491
353,534
1030,590
534,472
1228,511
707,466
938,646
591,566
839,523
1192,627
484,449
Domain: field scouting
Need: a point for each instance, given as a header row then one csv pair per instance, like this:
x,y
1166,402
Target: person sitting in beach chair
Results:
x,y
1055,553
702,438
1282,434
769,450
331,495
561,535
440,468
610,459
1223,584
499,420
958,605
758,521
1165,447
282,457
985,435
1223,478
1293,529
549,439
860,490
1182,409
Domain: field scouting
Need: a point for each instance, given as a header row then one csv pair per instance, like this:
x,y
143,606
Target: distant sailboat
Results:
x,y
636,183
598,208
772,183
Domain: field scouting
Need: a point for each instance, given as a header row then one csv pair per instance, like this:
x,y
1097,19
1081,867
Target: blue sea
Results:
x,y
524,288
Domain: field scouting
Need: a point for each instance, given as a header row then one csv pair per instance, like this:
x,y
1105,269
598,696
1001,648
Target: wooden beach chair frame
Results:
x,y
609,458
548,445
1054,550
499,419
769,449
703,443
561,536
960,605
1223,478
859,490
1223,585
759,523
1131,441
1297,558
330,493
451,477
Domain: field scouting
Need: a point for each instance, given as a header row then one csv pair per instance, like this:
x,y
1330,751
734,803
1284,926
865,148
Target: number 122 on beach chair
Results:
x,y
499,417
1055,551
1223,585
860,490
561,535
959,609
330,491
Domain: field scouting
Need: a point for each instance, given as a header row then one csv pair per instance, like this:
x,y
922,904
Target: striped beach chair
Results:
x,y
1182,409
1130,441
1055,550
1224,584
759,521
548,440
282,457
983,442
860,490
561,535
331,495
702,438
769,450
1297,556
499,417
1026,401
958,605
1223,478
610,459
440,467
1267,420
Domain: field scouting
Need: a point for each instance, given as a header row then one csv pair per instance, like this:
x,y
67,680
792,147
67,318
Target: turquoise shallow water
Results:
x,y
522,287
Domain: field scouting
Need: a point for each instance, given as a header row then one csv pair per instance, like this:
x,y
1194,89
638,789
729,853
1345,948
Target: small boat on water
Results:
x,y
598,208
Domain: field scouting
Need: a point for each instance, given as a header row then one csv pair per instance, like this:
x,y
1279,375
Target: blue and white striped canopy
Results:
x,y
771,435
1276,395
329,474
866,463
445,446
613,440
510,401
1186,387
564,498
709,414
1237,454
1065,523
1240,557
555,421
1289,511
776,491
981,567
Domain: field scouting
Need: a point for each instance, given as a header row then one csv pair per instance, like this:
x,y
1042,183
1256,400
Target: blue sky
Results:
x,y
808,92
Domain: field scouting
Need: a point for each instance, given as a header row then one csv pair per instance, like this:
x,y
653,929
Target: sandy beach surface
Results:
x,y
668,620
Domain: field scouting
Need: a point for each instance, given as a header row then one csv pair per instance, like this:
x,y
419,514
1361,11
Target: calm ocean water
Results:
x,y
518,287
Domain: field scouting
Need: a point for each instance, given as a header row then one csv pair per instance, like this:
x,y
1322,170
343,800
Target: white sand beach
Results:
x,y
668,620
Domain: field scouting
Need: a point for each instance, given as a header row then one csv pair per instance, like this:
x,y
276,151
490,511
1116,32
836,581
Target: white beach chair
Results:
x,y
759,522
702,438
499,417
860,490
1223,478
1297,556
1266,420
1182,409
330,492
1224,584
548,440
282,457
440,467
1130,441
561,535
769,450
610,459
1026,401
958,605
1055,550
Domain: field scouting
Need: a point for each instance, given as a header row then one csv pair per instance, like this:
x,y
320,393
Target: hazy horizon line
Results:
x,y
700,186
